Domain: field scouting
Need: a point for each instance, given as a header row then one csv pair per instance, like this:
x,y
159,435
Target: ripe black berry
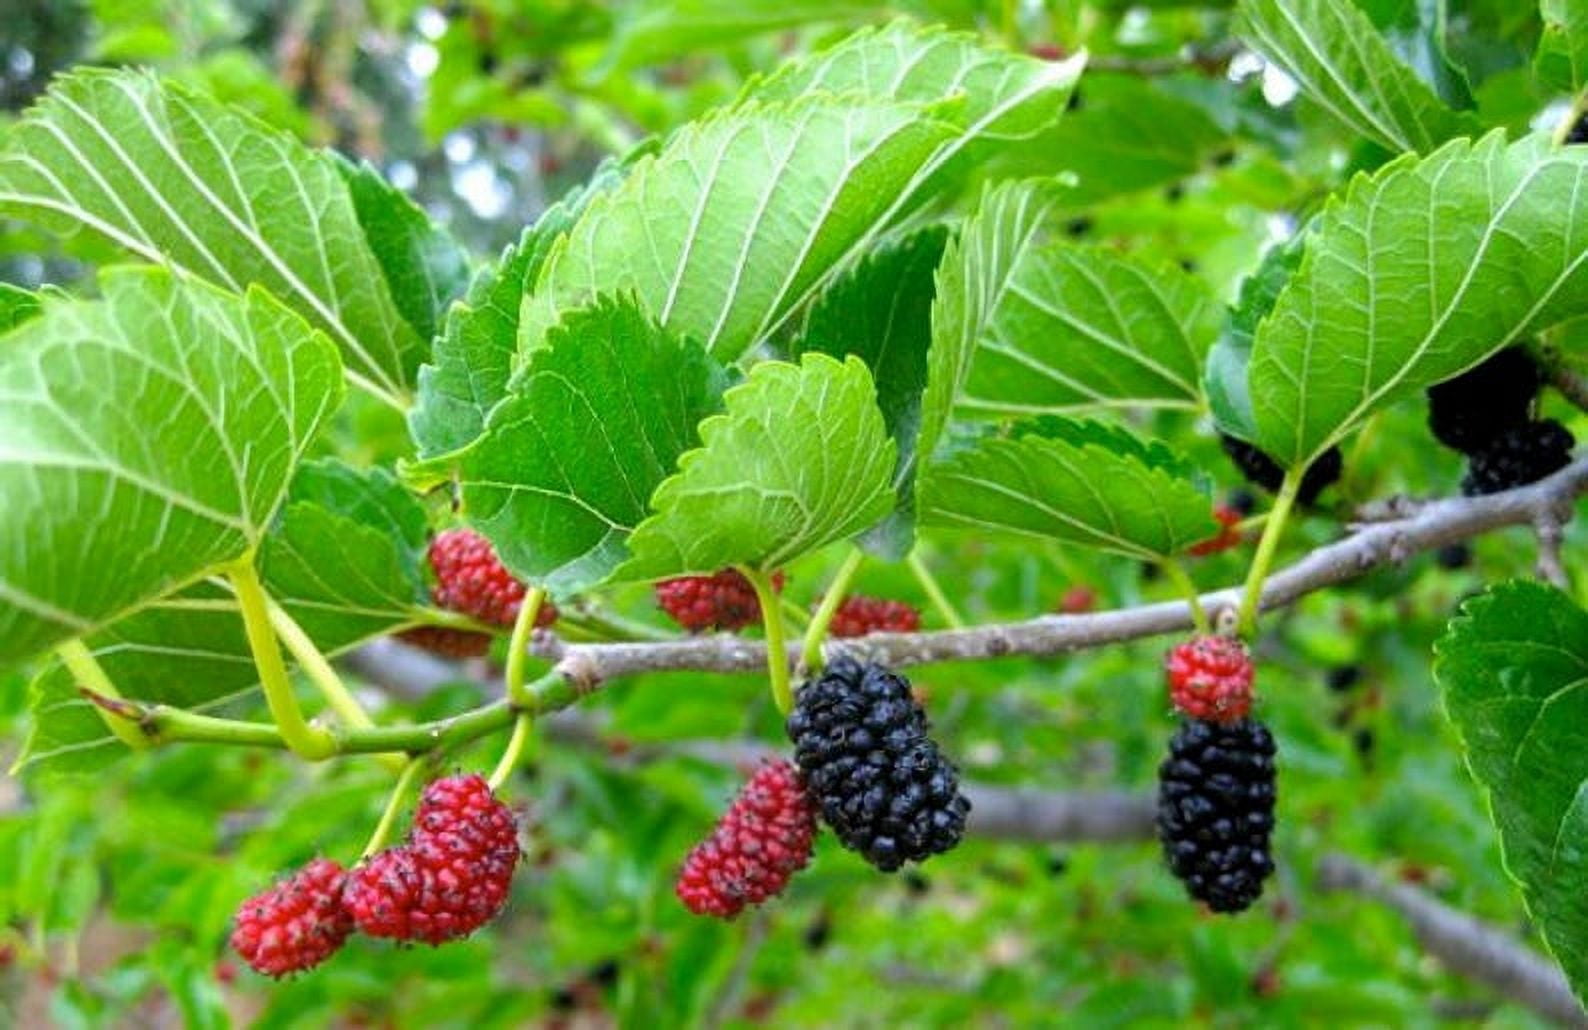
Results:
x,y
1454,556
1517,457
1343,677
1261,470
1468,412
861,740
1243,501
1216,810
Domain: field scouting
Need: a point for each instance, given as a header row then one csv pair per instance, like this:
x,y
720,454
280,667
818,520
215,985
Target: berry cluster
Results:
x,y
1486,413
723,601
1262,470
857,616
763,839
451,875
448,879
1216,810
860,739
296,924
1210,678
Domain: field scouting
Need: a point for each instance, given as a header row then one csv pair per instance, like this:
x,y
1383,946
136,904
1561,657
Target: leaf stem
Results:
x,y
1578,107
399,792
1188,590
776,645
518,643
793,612
312,742
85,668
816,632
1267,547
934,592
522,727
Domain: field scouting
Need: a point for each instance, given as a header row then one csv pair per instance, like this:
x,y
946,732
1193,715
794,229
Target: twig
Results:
x,y
1466,946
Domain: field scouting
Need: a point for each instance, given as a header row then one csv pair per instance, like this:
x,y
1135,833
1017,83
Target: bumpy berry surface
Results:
x,y
857,616
762,840
450,877
722,601
296,924
861,740
1261,470
470,579
1468,412
447,642
1210,678
1517,457
1227,537
1216,810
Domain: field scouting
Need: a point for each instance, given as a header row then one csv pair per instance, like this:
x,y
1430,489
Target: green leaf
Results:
x,y
1561,61
111,505
1085,328
473,358
1009,222
737,220
1230,357
16,306
1514,671
801,458
342,559
657,31
176,178
1077,482
425,268
1333,52
1126,134
569,461
881,312
1418,273
1006,95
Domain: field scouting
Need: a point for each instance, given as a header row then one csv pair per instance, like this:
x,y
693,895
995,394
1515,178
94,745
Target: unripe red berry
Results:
x,y
763,839
470,579
296,924
1078,599
857,616
1210,678
1227,537
447,641
722,601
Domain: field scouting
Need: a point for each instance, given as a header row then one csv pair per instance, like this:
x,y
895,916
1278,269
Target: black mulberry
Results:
x,y
1261,470
1469,412
1517,457
1216,810
861,740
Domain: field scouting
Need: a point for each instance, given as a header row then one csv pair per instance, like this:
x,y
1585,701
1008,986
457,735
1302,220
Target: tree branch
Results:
x,y
1466,946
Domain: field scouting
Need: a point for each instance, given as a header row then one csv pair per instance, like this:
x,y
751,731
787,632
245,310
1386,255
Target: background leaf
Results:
x,y
1418,273
1561,61
800,458
569,461
1514,670
1332,50
16,306
110,505
1078,482
174,177
1230,357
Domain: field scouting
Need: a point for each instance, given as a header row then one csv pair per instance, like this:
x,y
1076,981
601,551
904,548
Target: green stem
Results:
x,y
816,632
1267,547
85,668
776,646
606,626
1578,106
514,752
1188,590
793,612
934,593
518,643
311,742
394,804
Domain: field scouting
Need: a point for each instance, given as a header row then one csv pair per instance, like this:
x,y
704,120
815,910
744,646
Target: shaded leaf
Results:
x,y
1231,355
1561,61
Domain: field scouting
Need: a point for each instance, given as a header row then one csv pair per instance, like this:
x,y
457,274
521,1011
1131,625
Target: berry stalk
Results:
x,y
934,592
394,804
776,646
816,632
518,643
1267,547
523,726
312,742
1188,590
